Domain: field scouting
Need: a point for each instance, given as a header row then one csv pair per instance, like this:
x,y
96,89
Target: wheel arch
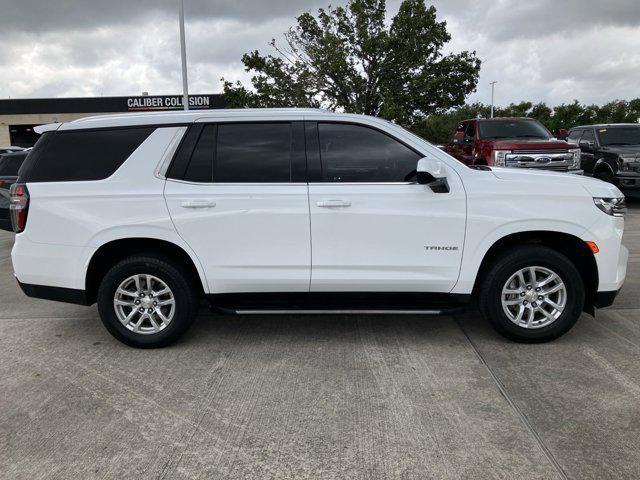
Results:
x,y
603,165
116,250
567,244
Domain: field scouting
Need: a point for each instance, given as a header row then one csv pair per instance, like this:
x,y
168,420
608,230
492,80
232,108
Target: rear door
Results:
x,y
373,227
237,194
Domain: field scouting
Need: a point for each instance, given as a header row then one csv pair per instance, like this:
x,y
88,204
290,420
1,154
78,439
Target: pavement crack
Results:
x,y
523,418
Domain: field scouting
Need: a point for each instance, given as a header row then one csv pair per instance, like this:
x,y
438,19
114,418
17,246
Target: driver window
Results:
x,y
588,136
470,133
459,133
574,136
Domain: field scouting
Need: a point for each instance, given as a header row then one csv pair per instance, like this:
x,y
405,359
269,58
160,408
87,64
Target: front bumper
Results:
x,y
628,184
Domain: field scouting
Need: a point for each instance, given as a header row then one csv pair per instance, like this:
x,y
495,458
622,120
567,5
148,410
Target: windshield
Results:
x,y
619,136
512,129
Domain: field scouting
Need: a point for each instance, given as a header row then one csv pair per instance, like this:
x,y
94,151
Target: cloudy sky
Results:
x,y
541,50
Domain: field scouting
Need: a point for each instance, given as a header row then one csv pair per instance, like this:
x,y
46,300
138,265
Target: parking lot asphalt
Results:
x,y
321,397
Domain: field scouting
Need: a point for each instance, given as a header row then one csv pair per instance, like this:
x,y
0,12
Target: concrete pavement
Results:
x,y
353,397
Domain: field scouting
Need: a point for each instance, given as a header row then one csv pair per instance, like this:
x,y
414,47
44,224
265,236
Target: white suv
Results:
x,y
296,210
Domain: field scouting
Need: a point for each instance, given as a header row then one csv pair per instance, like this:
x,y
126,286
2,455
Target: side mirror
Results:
x,y
587,144
432,173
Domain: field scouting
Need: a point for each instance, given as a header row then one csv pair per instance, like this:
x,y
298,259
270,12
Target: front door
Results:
x,y
373,228
234,198
588,150
469,144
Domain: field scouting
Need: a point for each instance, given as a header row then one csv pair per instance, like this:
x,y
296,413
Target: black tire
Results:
x,y
490,292
181,285
605,176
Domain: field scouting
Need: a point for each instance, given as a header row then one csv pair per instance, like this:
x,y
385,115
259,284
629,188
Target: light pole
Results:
x,y
183,56
493,84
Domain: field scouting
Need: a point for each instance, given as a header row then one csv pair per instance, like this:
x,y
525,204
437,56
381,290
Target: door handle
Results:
x,y
198,204
333,203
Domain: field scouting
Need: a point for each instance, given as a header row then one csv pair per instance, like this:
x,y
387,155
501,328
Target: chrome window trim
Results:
x,y
170,151
232,184
314,184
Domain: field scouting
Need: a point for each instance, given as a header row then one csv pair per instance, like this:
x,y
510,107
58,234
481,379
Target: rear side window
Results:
x,y
353,153
200,167
253,153
235,153
83,155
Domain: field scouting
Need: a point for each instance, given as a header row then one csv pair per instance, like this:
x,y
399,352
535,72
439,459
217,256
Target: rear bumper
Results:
x,y
58,294
605,299
49,264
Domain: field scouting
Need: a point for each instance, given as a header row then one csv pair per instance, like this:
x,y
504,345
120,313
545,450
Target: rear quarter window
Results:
x,y
81,155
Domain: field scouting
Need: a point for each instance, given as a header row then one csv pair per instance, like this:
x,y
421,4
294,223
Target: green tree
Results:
x,y
439,127
351,59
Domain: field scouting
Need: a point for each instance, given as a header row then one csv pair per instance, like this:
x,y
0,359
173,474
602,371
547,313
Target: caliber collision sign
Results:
x,y
170,102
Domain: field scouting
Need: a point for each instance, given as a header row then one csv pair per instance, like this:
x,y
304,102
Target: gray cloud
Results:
x,y
540,50
58,15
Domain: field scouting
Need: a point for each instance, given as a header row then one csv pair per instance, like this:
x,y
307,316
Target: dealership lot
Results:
x,y
318,396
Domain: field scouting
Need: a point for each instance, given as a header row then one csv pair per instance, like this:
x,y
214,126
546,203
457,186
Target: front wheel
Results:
x,y
532,294
147,301
605,176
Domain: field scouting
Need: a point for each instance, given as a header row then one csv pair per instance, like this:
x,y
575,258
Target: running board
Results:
x,y
339,312
338,303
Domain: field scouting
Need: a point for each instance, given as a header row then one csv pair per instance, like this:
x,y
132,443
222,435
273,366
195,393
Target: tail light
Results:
x,y
1,183
19,206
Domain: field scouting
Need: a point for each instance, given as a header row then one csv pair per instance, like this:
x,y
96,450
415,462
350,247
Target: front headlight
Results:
x,y
575,161
629,163
615,207
500,157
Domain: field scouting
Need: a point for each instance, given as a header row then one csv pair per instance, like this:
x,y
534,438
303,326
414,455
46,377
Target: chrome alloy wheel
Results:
x,y
144,304
534,297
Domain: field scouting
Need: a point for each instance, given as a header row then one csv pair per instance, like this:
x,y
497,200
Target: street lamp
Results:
x,y
493,84
183,56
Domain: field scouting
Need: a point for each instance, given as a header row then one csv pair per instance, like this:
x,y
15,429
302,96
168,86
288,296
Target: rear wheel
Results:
x,y
147,301
532,294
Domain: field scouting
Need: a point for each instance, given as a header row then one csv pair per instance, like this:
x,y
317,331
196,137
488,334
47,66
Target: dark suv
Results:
x,y
611,153
10,163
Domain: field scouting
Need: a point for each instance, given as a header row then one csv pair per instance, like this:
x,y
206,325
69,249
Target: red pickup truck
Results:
x,y
512,142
